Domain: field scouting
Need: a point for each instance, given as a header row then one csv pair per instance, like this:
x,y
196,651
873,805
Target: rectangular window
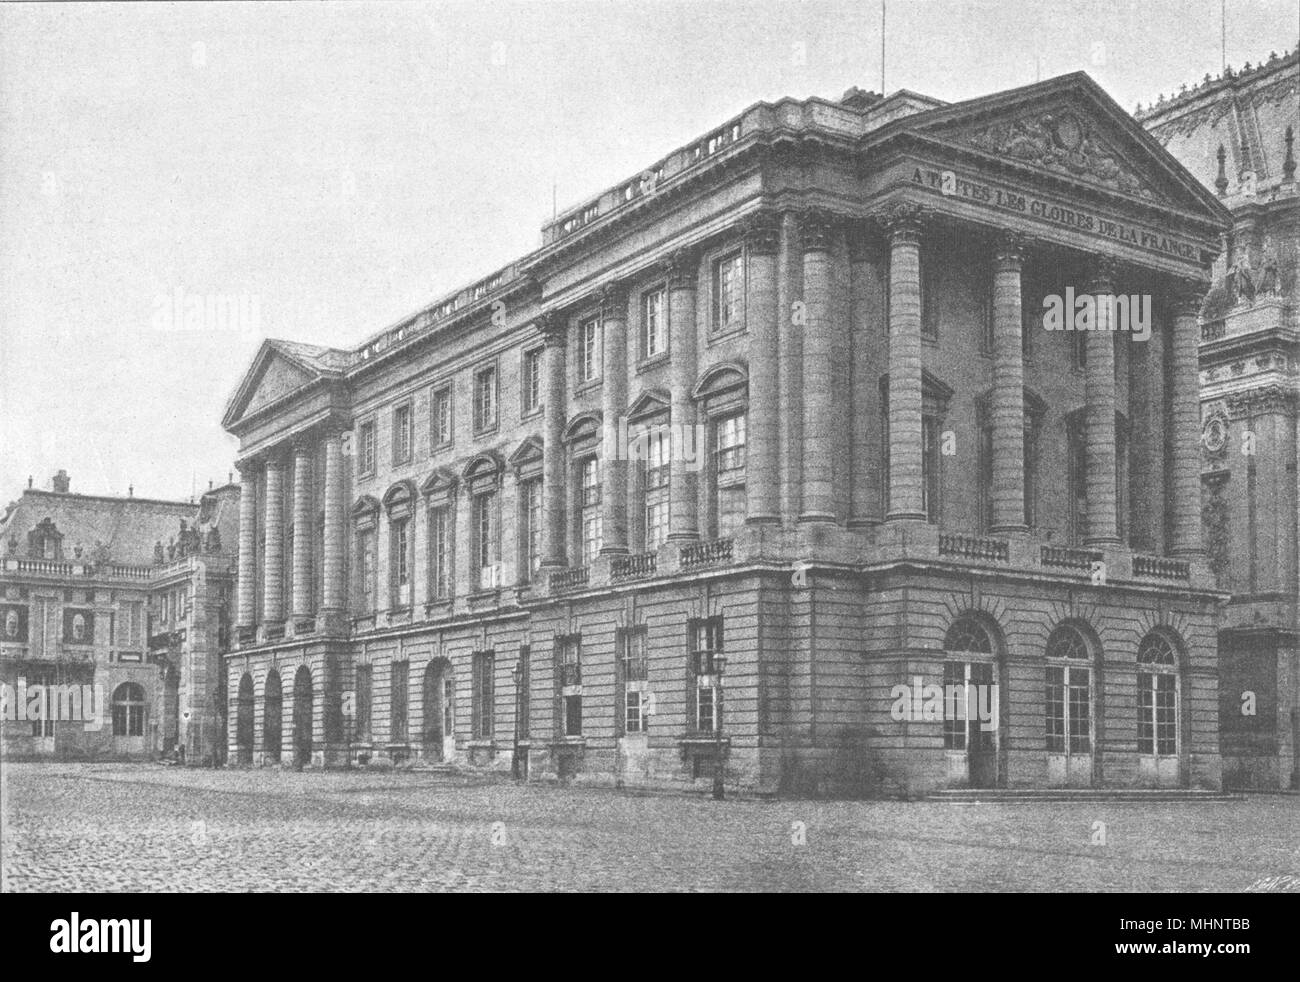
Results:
x,y
484,668
706,642
657,474
400,690
485,398
1157,722
531,383
400,567
365,681
589,356
729,293
652,323
573,716
954,726
930,472
440,531
366,552
633,717
366,448
730,475
441,421
530,527
591,511
485,539
635,665
570,662
402,434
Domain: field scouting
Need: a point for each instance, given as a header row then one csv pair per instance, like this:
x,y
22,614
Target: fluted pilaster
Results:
x,y
303,528
247,589
273,559
554,330
817,232
1101,483
1185,461
683,499
332,566
903,223
1008,409
613,401
762,238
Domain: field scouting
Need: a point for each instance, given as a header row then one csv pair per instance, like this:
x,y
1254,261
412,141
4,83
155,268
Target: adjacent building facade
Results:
x,y
767,460
113,616
1236,134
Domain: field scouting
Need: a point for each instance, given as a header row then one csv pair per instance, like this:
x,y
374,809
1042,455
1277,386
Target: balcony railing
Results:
x,y
1070,558
1161,568
706,553
974,547
633,567
570,579
53,567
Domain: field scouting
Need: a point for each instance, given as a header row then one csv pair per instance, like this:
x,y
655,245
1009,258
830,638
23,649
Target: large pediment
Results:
x,y
276,373
1069,128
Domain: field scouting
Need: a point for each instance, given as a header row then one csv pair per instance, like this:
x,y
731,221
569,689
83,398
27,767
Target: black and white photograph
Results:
x,y
745,446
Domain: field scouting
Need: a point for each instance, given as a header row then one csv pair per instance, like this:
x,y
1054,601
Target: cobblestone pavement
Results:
x,y
106,827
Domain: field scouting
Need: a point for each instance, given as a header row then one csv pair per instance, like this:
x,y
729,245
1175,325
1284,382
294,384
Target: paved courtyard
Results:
x,y
106,827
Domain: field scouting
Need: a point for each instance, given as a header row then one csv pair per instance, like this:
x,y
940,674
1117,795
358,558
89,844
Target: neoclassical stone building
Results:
x,y
756,453
1236,133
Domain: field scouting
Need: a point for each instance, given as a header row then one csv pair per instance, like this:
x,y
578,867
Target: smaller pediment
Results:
x,y
441,481
650,403
527,457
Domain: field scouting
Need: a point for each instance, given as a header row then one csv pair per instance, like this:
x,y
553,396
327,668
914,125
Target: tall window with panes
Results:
x,y
486,532
729,474
589,488
485,398
570,678
653,334
634,674
530,527
589,345
366,448
655,486
706,643
484,669
367,567
441,421
729,293
440,534
531,384
930,467
400,561
402,434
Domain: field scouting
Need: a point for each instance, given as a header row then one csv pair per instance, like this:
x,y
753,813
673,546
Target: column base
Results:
x,y
822,517
907,516
1009,530
683,536
770,519
554,564
1102,540
613,550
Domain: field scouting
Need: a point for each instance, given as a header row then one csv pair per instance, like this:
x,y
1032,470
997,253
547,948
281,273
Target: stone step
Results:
x,y
1080,794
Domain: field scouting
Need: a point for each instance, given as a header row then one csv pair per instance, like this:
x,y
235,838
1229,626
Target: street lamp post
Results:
x,y
719,664
517,673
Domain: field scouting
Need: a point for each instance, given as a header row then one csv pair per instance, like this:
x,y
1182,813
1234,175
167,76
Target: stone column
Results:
x,y
1185,422
554,330
333,595
903,223
816,235
1008,409
762,238
1099,395
273,561
304,528
686,450
247,591
613,404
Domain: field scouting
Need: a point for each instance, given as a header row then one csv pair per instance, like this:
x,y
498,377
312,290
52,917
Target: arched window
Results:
x,y
722,394
969,674
1069,692
1157,681
128,710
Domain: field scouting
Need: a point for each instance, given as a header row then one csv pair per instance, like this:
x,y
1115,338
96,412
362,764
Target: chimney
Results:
x,y
61,482
130,490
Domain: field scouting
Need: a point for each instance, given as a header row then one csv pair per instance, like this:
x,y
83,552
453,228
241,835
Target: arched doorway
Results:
x,y
129,718
1159,701
972,707
1071,721
244,721
272,718
439,710
303,705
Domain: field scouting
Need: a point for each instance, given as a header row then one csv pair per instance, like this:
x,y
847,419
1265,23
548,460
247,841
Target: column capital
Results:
x,y
817,230
1011,248
1188,296
612,298
680,269
1101,275
277,458
553,326
249,467
302,445
902,221
763,233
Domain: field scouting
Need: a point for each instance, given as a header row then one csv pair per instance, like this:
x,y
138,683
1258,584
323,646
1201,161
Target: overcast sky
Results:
x,y
339,165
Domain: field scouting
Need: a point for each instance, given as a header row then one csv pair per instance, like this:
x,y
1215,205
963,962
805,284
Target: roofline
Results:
x,y
131,499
